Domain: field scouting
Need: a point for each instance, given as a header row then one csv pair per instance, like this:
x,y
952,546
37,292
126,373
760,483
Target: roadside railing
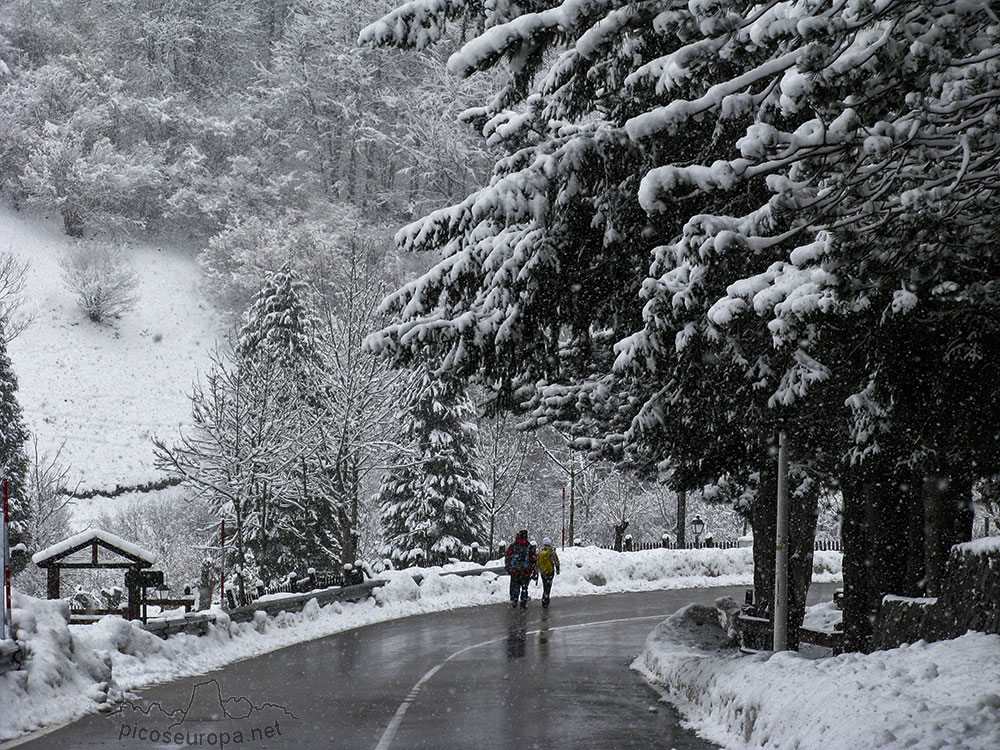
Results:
x,y
818,545
297,602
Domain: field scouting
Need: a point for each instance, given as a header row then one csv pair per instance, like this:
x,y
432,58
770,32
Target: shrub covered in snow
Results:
x,y
102,280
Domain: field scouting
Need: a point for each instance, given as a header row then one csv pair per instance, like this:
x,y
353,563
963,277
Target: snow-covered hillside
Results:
x,y
104,389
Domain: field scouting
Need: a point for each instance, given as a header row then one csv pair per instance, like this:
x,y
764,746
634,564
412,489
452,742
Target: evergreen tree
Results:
x,y
813,184
433,504
13,458
298,522
279,326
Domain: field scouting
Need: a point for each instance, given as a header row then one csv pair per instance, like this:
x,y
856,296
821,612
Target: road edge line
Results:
x,y
397,718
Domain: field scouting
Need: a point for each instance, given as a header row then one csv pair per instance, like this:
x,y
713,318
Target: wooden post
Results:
x,y
134,598
52,588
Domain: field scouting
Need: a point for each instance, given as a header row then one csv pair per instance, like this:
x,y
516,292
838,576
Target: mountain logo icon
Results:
x,y
207,714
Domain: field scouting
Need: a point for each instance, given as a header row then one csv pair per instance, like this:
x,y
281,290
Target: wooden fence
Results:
x,y
819,544
294,584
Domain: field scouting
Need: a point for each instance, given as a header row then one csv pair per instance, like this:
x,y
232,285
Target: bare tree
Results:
x,y
504,452
586,476
13,274
237,454
362,393
47,504
172,527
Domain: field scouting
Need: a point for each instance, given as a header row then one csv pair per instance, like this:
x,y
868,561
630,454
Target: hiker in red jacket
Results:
x,y
520,563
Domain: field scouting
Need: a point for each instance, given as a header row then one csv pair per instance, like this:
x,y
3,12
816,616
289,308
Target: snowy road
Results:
x,y
484,677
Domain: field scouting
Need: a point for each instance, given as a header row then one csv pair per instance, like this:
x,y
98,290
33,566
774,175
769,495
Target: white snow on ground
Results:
x,y
937,695
104,389
67,670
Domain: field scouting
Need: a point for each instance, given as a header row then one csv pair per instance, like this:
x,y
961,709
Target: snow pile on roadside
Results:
x,y
591,570
944,694
822,616
60,676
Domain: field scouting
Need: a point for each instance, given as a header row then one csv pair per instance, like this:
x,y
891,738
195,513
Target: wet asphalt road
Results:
x,y
483,677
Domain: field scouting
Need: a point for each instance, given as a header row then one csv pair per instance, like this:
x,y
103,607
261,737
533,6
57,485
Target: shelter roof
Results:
x,y
67,551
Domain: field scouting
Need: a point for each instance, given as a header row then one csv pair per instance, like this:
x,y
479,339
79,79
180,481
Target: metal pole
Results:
x,y
681,518
572,499
564,519
6,566
781,550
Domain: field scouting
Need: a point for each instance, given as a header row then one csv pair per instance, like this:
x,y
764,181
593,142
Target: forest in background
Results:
x,y
264,136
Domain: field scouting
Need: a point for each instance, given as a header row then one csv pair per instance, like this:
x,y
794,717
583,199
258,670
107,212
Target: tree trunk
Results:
x,y
882,546
619,534
947,517
857,583
572,500
763,520
803,514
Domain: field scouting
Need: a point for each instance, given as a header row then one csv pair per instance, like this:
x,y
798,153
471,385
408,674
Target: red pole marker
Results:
x,y
222,576
6,562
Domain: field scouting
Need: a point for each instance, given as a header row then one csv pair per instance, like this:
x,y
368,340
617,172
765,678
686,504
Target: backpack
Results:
x,y
520,560
545,566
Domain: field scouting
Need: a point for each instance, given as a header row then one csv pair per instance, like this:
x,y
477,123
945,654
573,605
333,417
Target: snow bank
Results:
x,y
944,694
60,680
72,671
590,570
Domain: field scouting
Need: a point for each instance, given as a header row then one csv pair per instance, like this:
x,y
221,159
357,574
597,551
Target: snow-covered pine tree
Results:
x,y
546,269
298,524
432,503
279,326
13,458
821,204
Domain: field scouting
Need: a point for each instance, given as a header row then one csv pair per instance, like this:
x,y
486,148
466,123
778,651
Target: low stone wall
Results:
x,y
295,603
969,600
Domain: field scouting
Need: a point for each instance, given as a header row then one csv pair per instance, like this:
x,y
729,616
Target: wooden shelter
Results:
x,y
95,548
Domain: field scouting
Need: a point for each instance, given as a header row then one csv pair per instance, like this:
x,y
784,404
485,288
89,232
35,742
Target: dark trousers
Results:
x,y
547,587
519,587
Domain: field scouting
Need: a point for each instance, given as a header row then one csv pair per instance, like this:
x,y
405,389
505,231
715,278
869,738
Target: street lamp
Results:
x,y
698,526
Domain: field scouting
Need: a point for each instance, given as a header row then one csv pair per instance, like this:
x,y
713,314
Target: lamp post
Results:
x,y
697,526
162,592
780,639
